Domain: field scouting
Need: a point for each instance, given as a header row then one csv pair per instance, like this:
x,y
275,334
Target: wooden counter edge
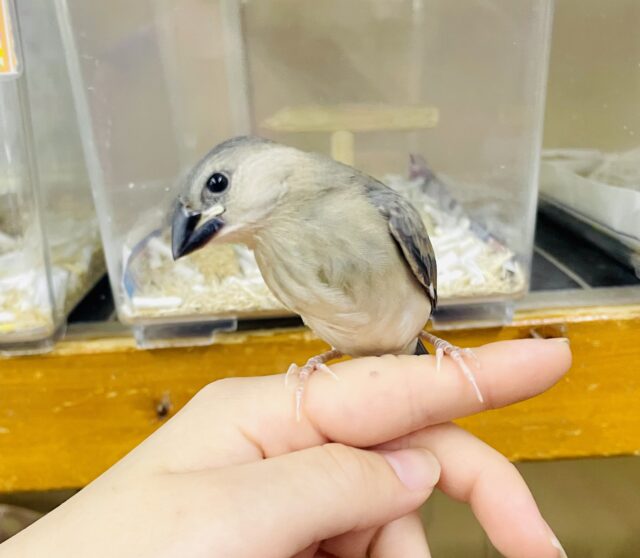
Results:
x,y
67,416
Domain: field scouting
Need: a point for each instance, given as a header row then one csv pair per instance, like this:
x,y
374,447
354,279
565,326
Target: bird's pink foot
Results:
x,y
443,347
314,364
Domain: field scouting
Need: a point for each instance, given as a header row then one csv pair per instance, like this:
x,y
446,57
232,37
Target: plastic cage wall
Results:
x,y
50,252
442,100
590,174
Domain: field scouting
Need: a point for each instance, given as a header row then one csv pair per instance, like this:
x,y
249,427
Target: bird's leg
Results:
x,y
443,347
314,364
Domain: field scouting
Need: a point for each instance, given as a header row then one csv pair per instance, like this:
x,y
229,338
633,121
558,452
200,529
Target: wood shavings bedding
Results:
x,y
25,300
225,280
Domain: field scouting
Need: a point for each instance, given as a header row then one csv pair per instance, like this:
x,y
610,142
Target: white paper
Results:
x,y
615,207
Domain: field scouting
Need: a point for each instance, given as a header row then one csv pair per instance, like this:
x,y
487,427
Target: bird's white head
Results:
x,y
231,193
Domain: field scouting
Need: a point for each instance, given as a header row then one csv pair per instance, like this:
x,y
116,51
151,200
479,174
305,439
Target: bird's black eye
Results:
x,y
217,183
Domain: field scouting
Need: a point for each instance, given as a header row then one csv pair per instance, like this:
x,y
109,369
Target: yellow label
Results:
x,y
8,58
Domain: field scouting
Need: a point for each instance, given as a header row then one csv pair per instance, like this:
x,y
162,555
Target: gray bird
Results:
x,y
348,254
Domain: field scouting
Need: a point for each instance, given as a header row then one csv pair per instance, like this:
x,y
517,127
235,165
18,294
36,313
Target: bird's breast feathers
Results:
x,y
349,284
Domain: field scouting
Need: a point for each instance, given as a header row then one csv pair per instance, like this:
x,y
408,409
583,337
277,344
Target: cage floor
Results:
x,y
563,260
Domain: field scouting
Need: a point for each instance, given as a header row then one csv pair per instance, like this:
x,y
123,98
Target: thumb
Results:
x,y
321,492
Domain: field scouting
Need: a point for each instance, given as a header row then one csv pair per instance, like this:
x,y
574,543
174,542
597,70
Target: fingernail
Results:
x,y
556,544
417,469
564,340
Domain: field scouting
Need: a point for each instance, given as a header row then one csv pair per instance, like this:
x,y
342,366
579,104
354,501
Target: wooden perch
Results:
x,y
343,121
353,118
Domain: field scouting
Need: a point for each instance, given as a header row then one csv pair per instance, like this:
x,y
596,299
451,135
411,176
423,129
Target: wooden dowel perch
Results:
x,y
343,121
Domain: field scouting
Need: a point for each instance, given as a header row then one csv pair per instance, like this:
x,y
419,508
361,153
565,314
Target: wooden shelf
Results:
x,y
352,117
343,121
67,416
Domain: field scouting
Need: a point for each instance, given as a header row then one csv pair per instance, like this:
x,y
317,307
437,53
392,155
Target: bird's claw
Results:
x,y
439,355
473,356
458,355
303,376
314,364
292,370
322,367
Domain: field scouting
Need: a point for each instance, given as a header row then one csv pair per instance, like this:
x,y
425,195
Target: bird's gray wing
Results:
x,y
408,230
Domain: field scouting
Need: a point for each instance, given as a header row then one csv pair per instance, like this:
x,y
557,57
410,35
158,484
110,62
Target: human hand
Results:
x,y
233,474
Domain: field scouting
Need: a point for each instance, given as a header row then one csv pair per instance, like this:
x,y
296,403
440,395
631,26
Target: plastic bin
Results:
x,y
50,251
385,85
590,178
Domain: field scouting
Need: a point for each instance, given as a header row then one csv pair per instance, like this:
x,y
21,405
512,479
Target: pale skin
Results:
x,y
233,474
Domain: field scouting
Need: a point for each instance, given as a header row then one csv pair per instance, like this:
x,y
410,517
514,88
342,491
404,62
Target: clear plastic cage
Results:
x,y
590,178
50,253
442,100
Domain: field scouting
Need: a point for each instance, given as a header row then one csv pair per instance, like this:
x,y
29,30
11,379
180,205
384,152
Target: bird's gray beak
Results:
x,y
192,229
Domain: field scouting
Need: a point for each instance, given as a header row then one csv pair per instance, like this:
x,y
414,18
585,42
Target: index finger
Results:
x,y
376,399
390,394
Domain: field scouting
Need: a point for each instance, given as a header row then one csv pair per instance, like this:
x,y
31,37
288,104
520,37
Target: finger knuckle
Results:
x,y
218,388
348,465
